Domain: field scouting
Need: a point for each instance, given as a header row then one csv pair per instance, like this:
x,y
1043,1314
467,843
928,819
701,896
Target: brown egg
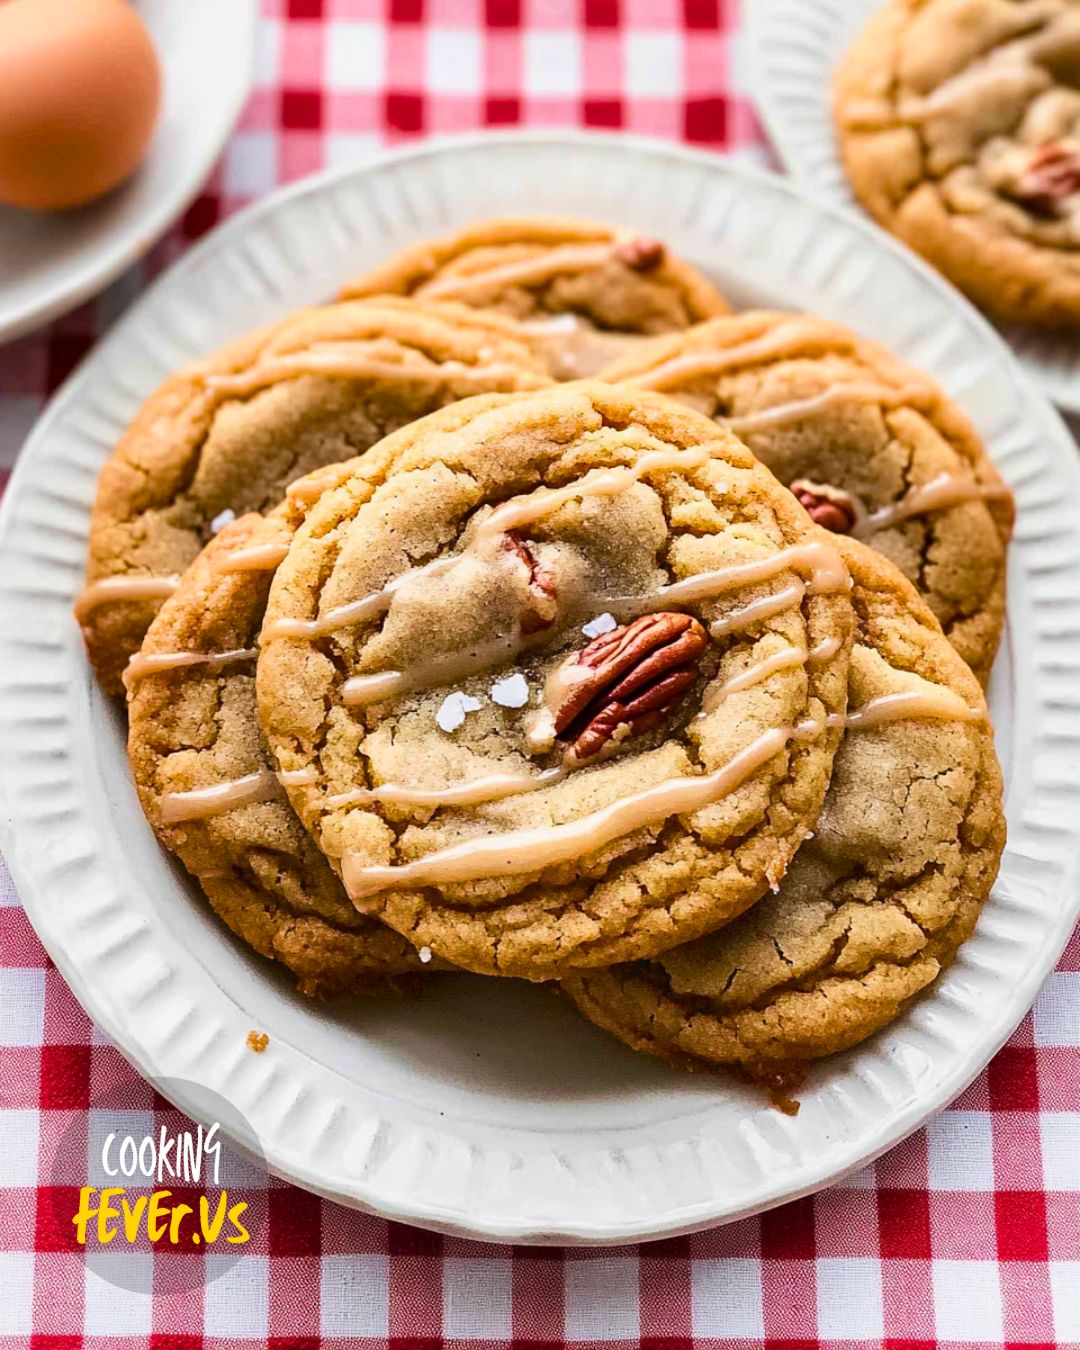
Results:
x,y
80,88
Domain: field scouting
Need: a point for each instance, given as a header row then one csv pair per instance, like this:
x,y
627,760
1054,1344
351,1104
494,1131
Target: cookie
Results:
x,y
959,124
876,902
224,436
585,292
560,679
869,445
206,786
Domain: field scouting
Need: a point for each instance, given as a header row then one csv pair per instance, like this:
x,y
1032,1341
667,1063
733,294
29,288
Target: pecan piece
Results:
x,y
626,681
1052,174
640,254
826,506
543,601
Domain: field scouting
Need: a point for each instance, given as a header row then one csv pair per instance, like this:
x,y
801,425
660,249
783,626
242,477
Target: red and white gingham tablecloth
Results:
x,y
967,1235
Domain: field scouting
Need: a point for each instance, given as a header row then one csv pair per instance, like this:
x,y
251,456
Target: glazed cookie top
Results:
x,y
870,446
959,122
903,856
561,680
583,290
205,783
226,435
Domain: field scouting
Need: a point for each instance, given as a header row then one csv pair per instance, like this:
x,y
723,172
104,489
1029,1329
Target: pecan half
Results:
x,y
543,601
626,681
826,506
640,254
1051,175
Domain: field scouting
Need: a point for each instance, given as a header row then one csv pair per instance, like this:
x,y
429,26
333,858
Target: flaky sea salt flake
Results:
x,y
454,709
603,623
511,692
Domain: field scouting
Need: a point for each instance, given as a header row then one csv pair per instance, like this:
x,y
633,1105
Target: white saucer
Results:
x,y
50,263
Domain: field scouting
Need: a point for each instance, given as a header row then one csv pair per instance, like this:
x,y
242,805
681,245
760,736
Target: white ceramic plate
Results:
x,y
49,263
487,1107
794,46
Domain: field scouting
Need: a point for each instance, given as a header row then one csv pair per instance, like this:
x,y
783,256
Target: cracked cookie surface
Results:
x,y
959,125
192,727
599,553
904,854
870,445
584,291
227,434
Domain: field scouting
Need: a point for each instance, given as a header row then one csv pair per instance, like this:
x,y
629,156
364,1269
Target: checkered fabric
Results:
x,y
967,1235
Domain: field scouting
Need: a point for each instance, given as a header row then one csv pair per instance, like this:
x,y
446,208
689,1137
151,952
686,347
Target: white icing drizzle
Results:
x,y
521,511
529,850
307,490
534,271
153,663
366,607
824,651
342,360
935,701
536,849
785,340
939,494
810,728
756,610
559,685
200,803
265,557
112,589
361,690
261,786
473,792
511,515
298,777
821,560
786,659
836,396
824,564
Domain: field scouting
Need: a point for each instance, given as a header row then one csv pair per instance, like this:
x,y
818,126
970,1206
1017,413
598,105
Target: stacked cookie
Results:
x,y
959,125
437,657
